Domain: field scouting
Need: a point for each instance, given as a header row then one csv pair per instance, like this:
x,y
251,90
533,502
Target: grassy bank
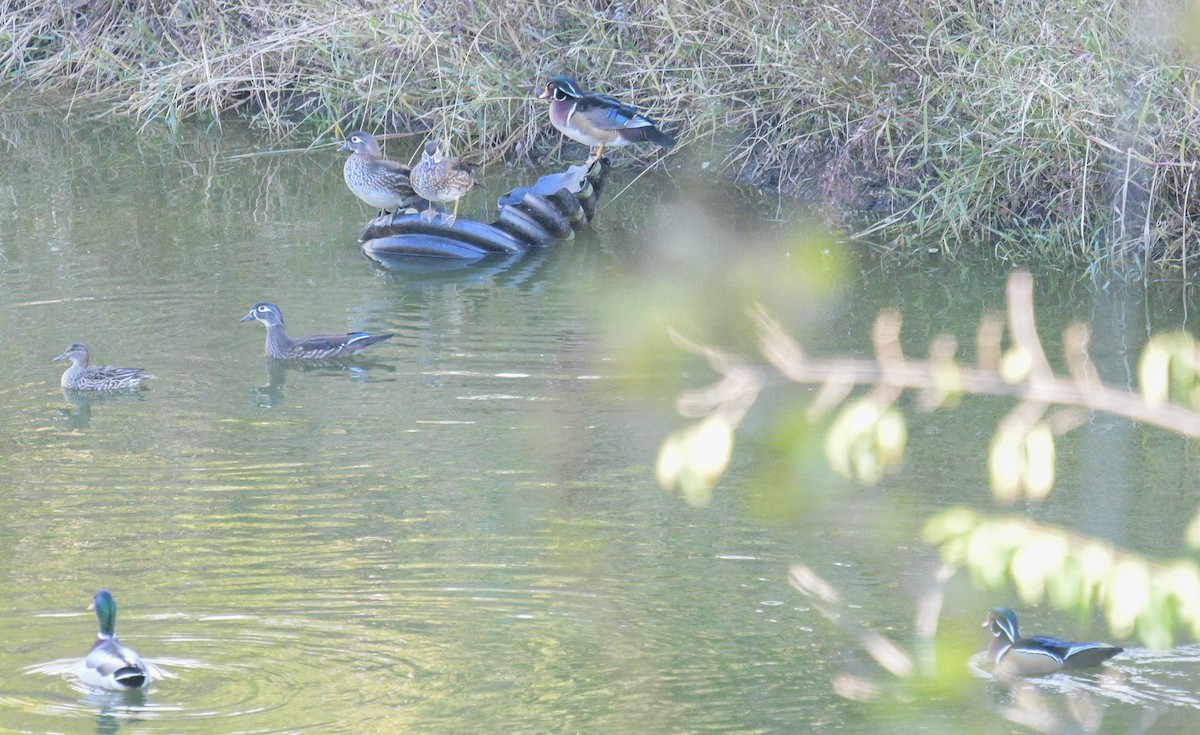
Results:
x,y
1057,129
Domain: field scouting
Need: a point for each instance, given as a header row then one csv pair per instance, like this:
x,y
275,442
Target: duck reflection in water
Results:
x,y
79,415
114,709
271,394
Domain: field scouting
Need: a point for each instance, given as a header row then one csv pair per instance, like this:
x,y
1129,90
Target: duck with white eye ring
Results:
x,y
315,347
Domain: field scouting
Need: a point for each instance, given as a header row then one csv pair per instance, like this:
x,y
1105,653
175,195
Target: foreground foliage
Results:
x,y
1140,597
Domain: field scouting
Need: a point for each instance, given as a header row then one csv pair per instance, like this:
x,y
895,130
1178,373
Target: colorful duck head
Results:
x,y
106,612
598,120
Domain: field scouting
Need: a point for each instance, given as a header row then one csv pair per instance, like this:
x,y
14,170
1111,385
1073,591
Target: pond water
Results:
x,y
461,531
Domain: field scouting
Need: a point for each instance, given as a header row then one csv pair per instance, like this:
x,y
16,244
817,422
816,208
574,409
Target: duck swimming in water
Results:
x,y
316,347
1013,655
97,377
110,665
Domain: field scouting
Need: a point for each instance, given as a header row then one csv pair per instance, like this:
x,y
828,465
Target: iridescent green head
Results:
x,y
106,612
1003,622
561,89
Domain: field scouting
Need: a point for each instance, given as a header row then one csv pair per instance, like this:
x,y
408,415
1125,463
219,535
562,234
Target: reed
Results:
x,y
1060,130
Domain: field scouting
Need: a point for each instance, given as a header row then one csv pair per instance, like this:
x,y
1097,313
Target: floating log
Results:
x,y
537,216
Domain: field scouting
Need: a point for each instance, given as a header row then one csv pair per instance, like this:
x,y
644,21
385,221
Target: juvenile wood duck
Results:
x,y
380,183
110,665
597,119
1013,655
316,347
440,177
98,377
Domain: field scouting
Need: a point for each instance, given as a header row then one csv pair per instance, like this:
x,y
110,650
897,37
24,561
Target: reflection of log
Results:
x,y
533,216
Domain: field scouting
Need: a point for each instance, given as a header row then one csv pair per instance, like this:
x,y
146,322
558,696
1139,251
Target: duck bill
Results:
x,y
248,317
63,356
545,93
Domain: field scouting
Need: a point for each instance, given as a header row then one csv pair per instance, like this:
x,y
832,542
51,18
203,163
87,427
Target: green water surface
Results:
x,y
461,532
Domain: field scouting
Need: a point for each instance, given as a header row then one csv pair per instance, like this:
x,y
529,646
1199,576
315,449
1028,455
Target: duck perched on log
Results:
x,y
440,177
380,183
550,211
597,119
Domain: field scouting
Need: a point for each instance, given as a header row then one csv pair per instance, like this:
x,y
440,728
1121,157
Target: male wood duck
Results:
x,y
316,347
98,377
440,177
1013,655
597,119
381,183
109,665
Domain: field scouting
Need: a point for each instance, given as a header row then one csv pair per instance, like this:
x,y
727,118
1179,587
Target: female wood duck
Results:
x,y
597,119
381,183
109,665
316,347
440,177
98,377
1013,655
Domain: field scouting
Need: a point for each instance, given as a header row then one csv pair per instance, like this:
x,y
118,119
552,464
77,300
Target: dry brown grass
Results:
x,y
1057,129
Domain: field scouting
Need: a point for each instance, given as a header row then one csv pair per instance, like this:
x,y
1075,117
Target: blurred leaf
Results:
x,y
695,458
1129,585
1006,465
891,436
1038,477
1193,532
1167,370
1138,596
1014,366
1152,371
864,441
1022,463
1035,562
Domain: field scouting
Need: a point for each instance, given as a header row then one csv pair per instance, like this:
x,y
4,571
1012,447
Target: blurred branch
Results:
x,y
1138,595
868,434
1024,372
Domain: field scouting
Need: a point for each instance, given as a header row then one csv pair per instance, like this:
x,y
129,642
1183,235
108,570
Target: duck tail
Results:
x,y
659,138
648,133
130,677
1090,656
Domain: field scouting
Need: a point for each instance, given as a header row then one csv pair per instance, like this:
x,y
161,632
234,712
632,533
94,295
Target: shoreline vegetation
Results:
x,y
1063,131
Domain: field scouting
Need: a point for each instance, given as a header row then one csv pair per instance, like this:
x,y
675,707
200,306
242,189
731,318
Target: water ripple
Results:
x,y
1137,676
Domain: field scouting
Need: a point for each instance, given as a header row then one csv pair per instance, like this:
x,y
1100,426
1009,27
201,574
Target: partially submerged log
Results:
x,y
537,216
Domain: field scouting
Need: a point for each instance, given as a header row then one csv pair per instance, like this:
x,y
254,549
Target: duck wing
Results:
x,y
107,376
609,113
113,666
325,346
1072,655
